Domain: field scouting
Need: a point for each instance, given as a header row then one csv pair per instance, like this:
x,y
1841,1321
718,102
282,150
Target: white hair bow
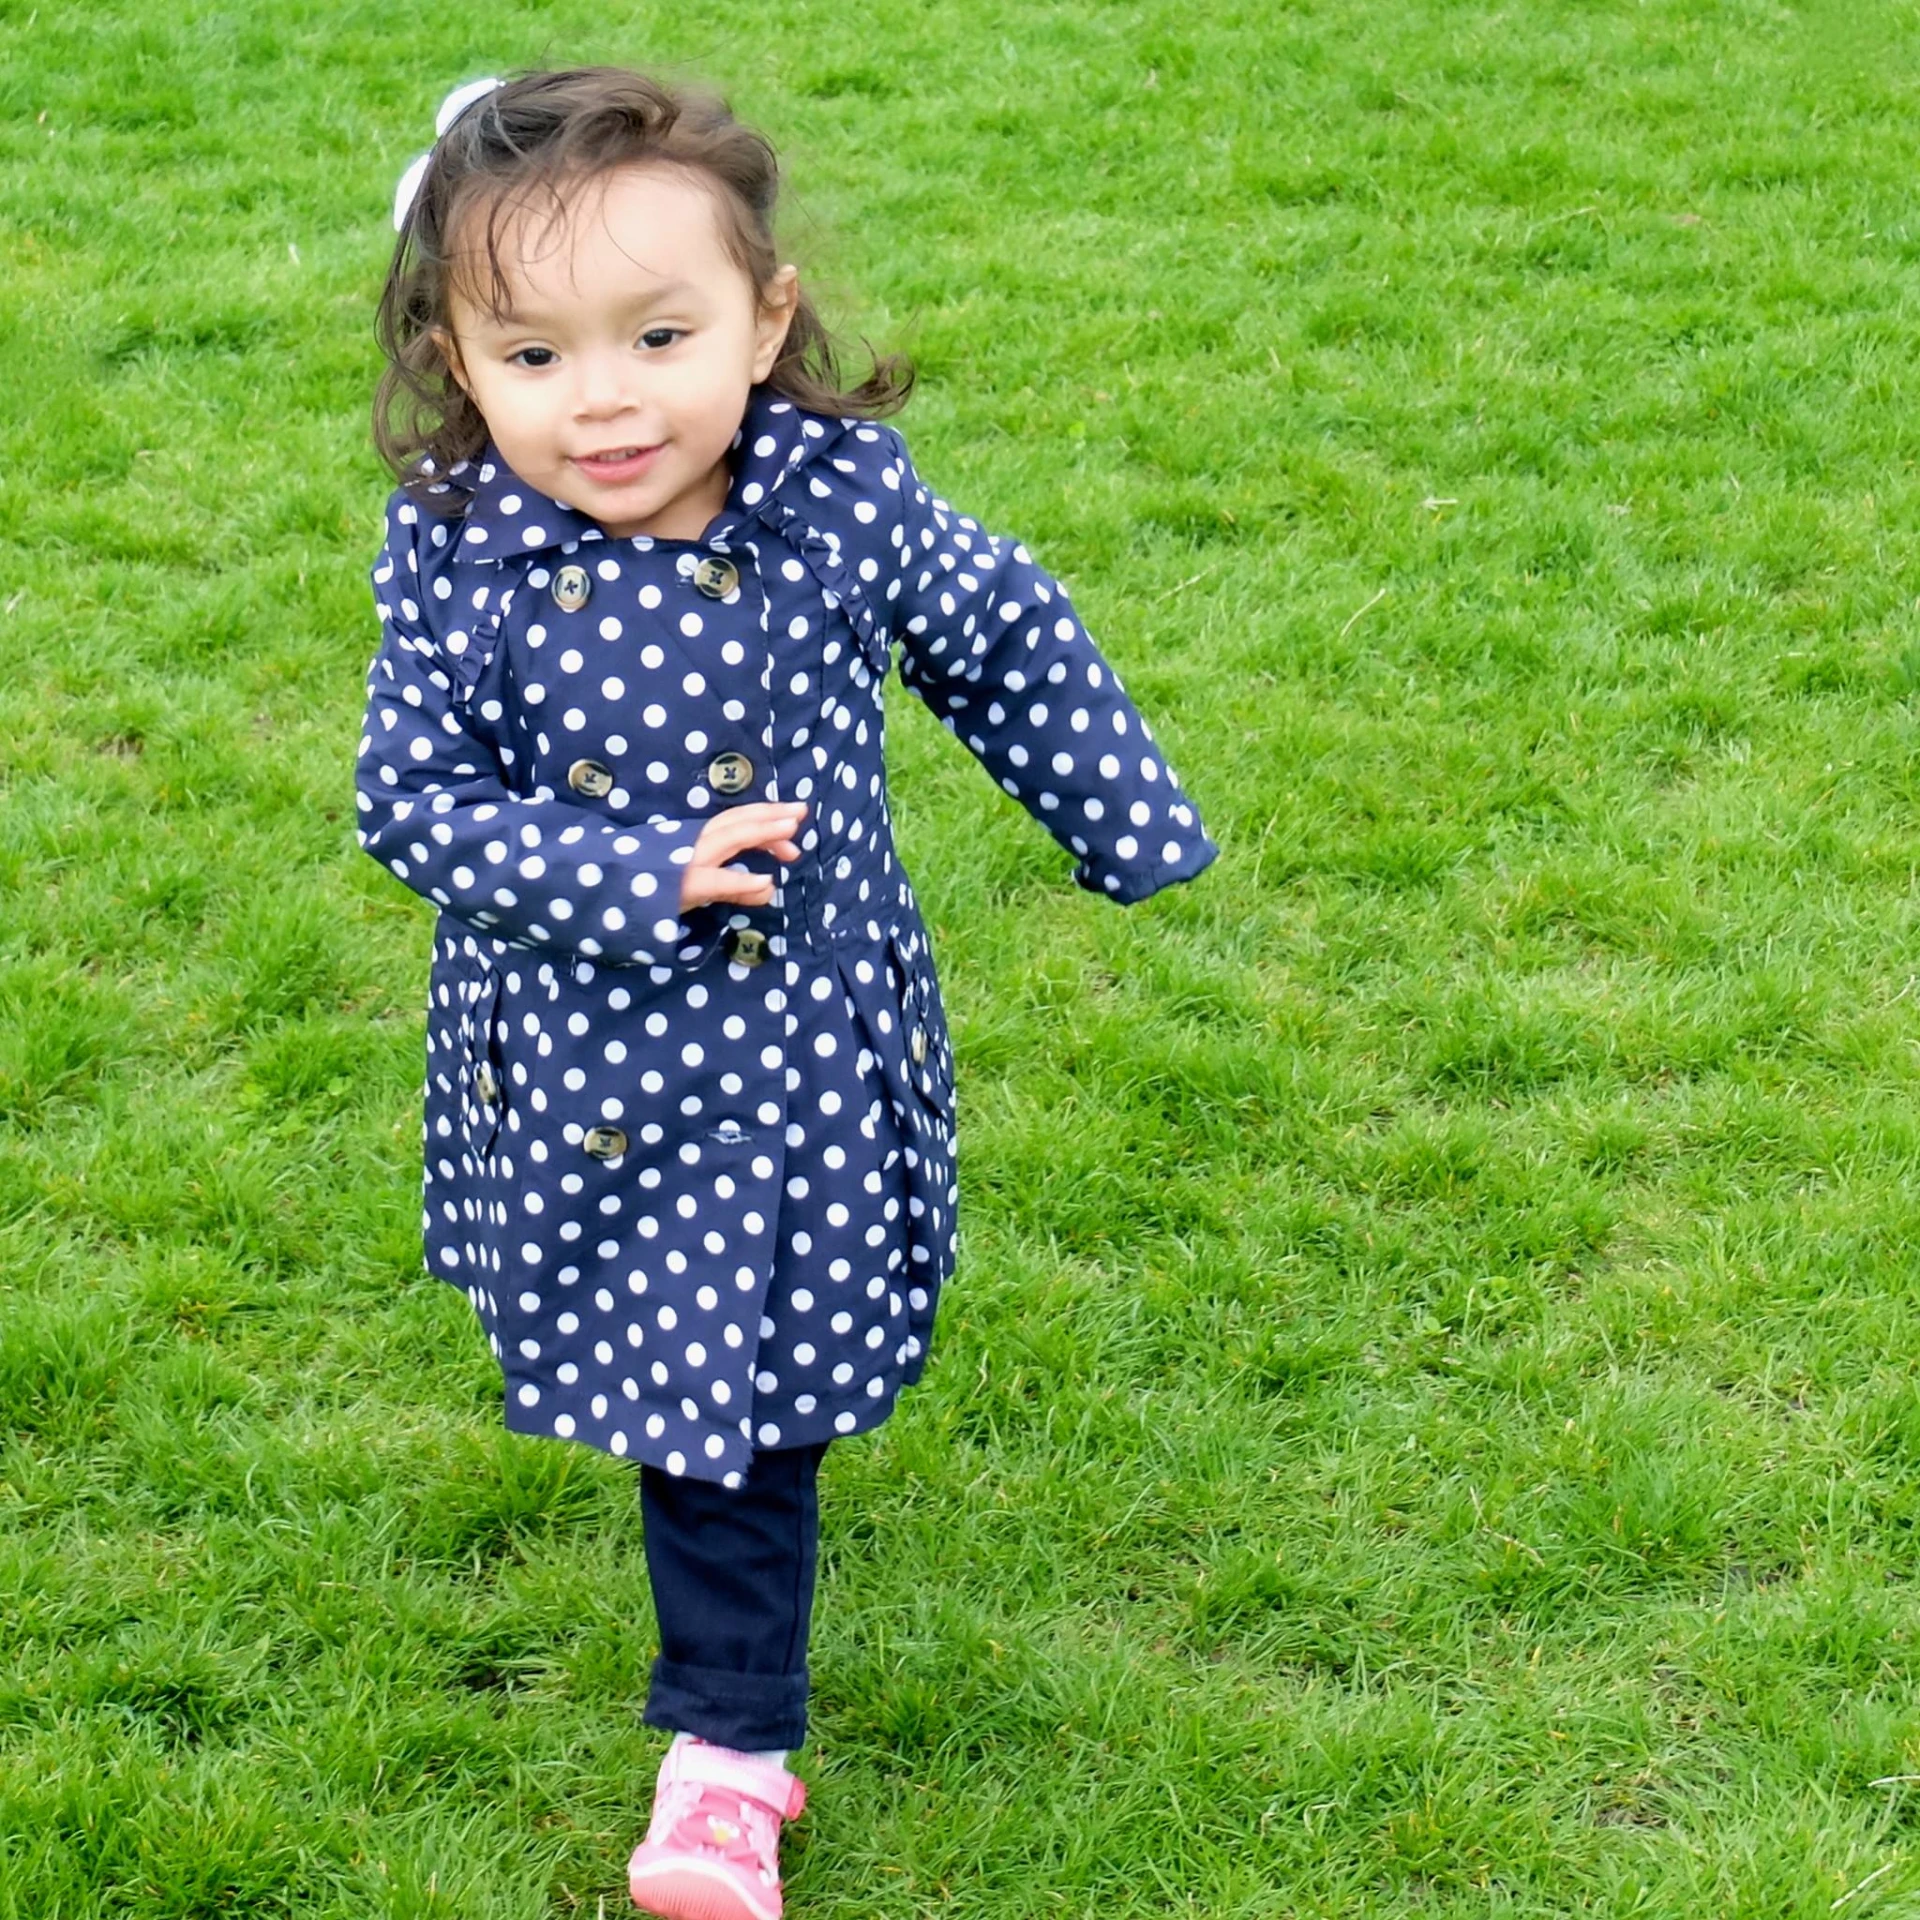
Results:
x,y
451,108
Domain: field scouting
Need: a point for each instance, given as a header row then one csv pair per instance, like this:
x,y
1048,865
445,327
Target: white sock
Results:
x,y
773,1756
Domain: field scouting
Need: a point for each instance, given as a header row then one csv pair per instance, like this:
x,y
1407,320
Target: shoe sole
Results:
x,y
688,1891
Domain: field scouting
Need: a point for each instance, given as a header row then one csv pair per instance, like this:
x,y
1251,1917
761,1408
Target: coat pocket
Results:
x,y
927,1061
483,1078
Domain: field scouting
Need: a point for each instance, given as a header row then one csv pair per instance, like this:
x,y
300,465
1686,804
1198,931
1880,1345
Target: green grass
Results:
x,y
1427,1423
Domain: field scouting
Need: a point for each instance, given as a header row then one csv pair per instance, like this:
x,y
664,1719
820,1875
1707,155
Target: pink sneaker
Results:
x,y
712,1850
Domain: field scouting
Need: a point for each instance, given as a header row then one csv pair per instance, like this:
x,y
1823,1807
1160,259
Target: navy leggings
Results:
x,y
732,1571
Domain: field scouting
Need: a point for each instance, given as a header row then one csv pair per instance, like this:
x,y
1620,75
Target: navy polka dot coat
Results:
x,y
695,1171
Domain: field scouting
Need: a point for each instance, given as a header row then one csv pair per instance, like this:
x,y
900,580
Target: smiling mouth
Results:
x,y
615,460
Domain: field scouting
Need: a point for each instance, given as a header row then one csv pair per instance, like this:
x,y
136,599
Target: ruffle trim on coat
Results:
x,y
839,584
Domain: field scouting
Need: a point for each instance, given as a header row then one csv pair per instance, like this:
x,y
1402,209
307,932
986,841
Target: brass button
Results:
x,y
591,778
486,1083
605,1143
919,1046
730,773
716,578
747,945
571,588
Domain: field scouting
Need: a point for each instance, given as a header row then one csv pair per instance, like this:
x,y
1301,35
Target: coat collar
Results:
x,y
506,518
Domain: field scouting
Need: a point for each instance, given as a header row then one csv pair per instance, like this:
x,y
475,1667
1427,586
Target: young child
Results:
x,y
689,1102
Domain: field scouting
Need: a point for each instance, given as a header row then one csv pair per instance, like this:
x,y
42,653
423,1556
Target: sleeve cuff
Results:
x,y
1128,885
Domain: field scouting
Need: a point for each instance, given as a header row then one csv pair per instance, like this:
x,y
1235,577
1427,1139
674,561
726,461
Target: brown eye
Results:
x,y
658,337
533,357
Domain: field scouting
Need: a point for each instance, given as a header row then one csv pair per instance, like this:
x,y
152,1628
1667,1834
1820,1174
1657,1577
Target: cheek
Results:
x,y
472,382
721,394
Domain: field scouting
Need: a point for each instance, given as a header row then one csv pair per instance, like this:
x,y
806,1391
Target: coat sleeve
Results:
x,y
436,809
991,643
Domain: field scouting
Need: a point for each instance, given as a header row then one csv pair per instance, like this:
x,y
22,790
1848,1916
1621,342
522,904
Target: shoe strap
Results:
x,y
758,1780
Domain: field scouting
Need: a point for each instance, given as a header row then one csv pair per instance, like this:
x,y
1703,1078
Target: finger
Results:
x,y
709,886
759,883
783,812
740,891
705,859
740,829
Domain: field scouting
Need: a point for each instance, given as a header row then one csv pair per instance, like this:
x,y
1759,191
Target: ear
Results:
x,y
778,300
450,353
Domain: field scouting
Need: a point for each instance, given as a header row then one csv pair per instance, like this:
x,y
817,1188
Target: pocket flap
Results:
x,y
928,1060
483,1074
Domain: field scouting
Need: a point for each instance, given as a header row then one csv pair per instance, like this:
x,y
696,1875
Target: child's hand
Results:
x,y
766,825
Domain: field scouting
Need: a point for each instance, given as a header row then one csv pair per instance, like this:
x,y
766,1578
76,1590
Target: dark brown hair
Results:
x,y
536,137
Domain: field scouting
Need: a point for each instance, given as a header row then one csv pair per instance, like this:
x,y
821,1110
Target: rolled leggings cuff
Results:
x,y
750,1712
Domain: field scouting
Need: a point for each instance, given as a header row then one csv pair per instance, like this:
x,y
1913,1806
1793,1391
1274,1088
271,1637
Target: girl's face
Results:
x,y
618,376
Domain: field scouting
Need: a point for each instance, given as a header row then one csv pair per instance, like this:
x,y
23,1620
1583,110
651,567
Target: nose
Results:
x,y
600,389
